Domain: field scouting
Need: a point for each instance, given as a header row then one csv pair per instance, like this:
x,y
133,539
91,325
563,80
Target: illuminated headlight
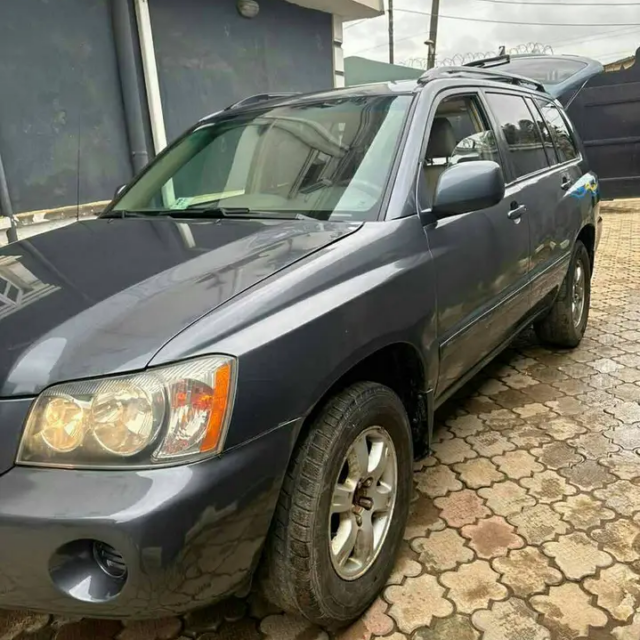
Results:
x,y
167,415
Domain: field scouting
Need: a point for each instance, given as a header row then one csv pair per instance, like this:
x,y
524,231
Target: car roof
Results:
x,y
448,75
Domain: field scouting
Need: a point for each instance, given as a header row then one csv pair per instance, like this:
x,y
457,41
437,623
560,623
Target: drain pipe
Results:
x,y
5,205
123,20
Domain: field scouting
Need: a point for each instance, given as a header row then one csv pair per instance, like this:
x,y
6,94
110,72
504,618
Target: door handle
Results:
x,y
517,211
566,183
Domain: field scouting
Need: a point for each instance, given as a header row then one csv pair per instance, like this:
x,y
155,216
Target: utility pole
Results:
x,y
433,33
391,44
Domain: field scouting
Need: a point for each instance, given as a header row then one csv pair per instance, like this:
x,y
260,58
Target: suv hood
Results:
x,y
102,297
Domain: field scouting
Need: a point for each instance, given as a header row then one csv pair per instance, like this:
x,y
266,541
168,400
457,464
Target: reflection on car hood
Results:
x,y
104,296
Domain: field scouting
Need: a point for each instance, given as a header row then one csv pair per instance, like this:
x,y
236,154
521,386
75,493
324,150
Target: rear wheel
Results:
x,y
343,508
566,323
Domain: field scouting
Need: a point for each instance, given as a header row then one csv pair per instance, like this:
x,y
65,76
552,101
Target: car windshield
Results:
x,y
326,160
547,71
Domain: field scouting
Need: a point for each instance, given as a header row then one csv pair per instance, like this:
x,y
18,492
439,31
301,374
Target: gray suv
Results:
x,y
230,372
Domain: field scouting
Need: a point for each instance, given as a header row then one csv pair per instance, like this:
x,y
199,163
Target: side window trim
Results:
x,y
512,178
534,107
534,111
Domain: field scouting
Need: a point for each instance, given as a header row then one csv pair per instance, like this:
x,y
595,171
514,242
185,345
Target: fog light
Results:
x,y
109,560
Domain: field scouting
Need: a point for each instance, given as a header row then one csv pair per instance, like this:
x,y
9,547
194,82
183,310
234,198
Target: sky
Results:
x,y
369,38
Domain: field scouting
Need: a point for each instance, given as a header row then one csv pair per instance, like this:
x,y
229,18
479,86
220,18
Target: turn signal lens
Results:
x,y
169,414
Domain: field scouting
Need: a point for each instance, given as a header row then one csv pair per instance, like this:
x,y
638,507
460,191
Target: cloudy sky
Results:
x,y
369,38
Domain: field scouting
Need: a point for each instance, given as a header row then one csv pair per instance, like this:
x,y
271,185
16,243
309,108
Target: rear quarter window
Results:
x,y
563,139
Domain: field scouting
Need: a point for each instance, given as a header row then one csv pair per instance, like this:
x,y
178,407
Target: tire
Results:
x,y
561,327
299,574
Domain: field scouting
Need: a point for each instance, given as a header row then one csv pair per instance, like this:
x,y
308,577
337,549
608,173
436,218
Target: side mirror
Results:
x,y
467,187
119,190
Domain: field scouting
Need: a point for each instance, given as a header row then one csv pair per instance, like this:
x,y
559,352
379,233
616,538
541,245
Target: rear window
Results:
x,y
547,71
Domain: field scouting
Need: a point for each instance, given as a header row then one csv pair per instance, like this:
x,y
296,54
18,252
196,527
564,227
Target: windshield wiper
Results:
x,y
235,212
123,213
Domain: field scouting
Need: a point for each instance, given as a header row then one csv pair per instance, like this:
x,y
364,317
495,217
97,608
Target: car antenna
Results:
x,y
78,173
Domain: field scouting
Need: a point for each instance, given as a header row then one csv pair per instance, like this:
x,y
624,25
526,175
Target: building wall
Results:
x,y
208,56
63,133
60,99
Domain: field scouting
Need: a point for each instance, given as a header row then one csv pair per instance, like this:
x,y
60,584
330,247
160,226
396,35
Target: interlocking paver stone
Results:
x,y
424,516
621,496
538,524
568,612
627,436
492,537
478,473
517,464
509,620
582,511
617,590
454,450
625,465
473,586
577,555
456,627
437,481
506,498
442,550
563,428
527,571
587,475
416,602
556,455
547,487
462,507
620,538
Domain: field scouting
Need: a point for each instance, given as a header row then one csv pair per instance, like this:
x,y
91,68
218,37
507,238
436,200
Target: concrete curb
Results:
x,y
51,215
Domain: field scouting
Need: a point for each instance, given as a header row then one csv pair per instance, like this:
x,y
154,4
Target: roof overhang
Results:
x,y
347,9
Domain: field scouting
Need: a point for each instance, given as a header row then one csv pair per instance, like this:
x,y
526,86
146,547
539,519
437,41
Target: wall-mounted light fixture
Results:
x,y
248,8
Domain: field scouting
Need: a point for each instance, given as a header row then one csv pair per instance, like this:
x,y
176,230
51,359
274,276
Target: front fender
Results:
x,y
296,334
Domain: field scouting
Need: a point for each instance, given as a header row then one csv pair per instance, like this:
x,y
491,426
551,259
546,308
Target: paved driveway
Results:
x,y
526,520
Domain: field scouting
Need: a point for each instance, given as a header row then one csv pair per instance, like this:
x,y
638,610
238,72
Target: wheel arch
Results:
x,y
587,236
398,366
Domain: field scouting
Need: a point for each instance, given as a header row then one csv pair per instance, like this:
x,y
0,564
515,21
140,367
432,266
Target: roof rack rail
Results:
x,y
489,62
259,97
498,76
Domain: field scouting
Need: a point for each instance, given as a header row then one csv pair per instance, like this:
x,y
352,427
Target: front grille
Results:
x,y
109,560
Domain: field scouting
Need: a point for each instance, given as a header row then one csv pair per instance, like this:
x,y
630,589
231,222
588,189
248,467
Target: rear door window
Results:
x,y
521,133
562,136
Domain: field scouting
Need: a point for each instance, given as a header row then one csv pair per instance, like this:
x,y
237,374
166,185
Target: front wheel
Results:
x,y
566,322
343,508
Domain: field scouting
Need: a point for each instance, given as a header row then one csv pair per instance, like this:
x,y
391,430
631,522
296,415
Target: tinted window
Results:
x,y
521,133
565,144
548,71
328,160
552,156
459,133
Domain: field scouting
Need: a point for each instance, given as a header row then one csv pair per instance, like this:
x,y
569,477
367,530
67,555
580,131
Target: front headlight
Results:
x,y
162,416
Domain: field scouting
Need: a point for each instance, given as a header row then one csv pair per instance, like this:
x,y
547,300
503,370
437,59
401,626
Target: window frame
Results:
x,y
446,94
513,177
537,100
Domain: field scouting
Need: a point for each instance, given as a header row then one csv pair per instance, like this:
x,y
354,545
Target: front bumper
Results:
x,y
189,535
